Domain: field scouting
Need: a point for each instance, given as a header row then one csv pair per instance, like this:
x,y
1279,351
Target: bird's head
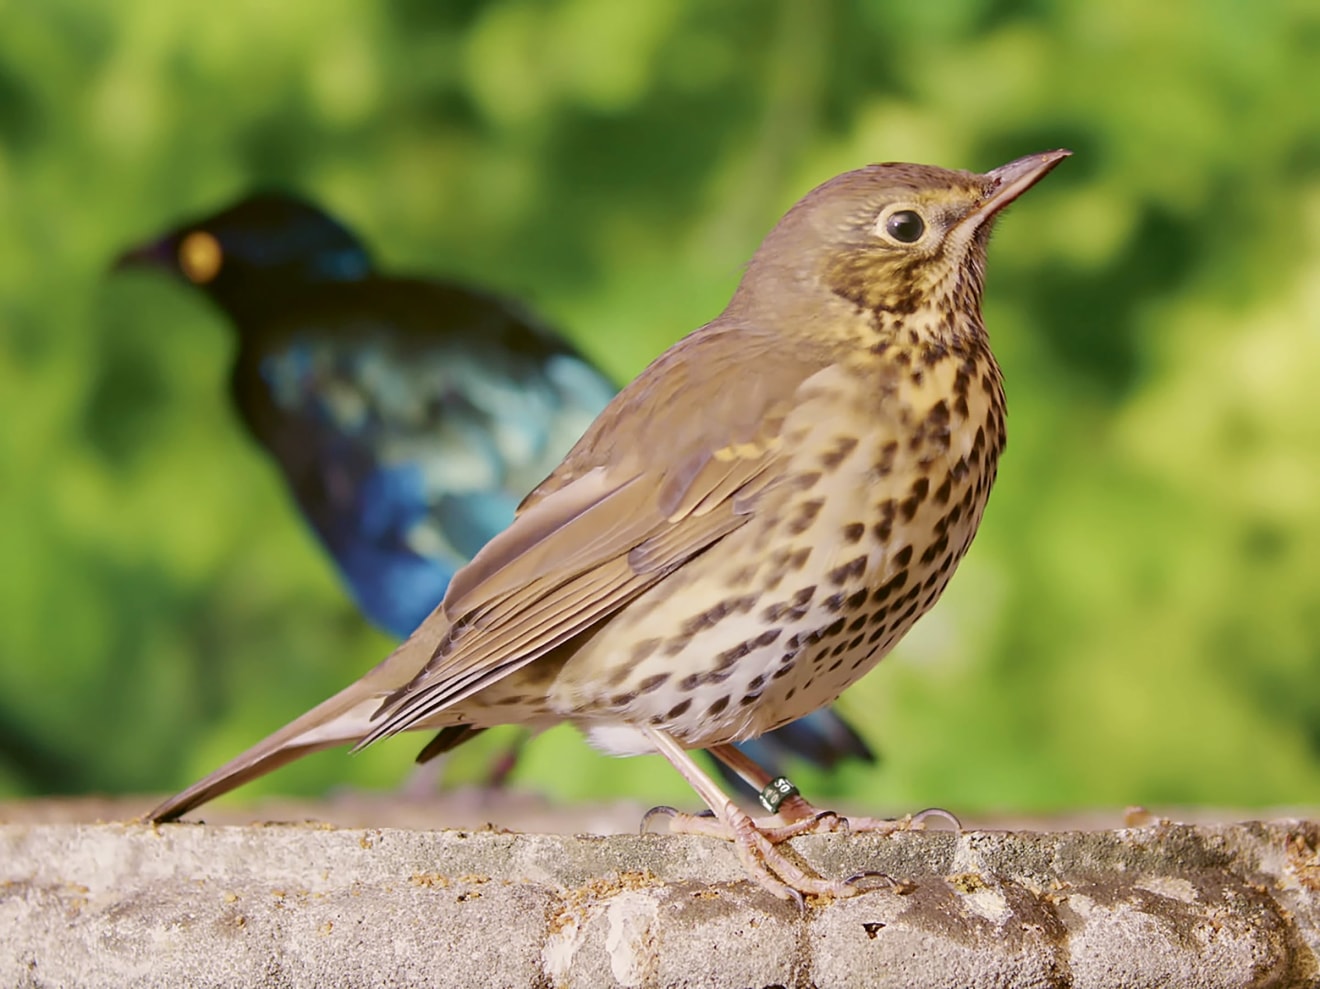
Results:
x,y
888,239
254,246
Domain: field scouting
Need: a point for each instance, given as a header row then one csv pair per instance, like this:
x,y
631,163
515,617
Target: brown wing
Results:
x,y
674,463
671,467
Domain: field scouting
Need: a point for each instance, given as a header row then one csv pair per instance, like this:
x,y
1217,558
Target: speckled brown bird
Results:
x,y
746,529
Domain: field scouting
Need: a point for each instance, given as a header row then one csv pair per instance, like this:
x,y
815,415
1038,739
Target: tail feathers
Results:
x,y
246,767
344,718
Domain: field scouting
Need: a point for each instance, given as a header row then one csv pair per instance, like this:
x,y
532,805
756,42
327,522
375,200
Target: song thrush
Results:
x,y
747,528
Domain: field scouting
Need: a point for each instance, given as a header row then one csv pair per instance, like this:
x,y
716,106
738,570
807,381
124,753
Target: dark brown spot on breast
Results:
x,y
843,445
885,527
942,493
908,507
792,609
651,683
804,515
714,615
717,706
935,549
744,575
728,657
851,570
891,586
678,710
885,463
853,531
934,431
904,556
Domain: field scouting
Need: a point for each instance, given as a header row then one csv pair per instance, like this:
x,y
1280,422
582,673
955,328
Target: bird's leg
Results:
x,y
801,816
756,850
793,815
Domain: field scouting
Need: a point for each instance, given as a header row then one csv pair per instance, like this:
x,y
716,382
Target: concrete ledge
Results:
x,y
312,905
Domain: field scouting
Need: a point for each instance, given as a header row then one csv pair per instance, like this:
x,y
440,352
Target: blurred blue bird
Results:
x,y
409,416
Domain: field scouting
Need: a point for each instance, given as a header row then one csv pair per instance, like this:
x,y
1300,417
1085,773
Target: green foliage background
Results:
x,y
1139,621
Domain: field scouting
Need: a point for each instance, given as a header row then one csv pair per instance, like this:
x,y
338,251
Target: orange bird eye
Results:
x,y
200,257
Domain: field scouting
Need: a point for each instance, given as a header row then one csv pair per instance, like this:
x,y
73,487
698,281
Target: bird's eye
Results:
x,y
200,257
905,226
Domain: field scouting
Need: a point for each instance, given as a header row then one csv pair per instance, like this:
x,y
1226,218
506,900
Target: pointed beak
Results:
x,y
158,255
1007,182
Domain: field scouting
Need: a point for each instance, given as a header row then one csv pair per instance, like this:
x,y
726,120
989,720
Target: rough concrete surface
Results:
x,y
1167,905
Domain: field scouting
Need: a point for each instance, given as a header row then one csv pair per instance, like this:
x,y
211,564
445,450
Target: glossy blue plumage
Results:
x,y
409,417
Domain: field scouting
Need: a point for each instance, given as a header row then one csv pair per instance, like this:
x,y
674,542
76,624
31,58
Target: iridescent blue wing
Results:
x,y
409,419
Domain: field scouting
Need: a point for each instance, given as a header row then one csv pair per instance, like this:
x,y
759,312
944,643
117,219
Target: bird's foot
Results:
x,y
774,829
796,815
908,822
780,797
755,841
805,818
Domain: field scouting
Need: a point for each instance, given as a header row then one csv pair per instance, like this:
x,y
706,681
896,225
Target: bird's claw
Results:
x,y
857,877
920,817
663,810
829,821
